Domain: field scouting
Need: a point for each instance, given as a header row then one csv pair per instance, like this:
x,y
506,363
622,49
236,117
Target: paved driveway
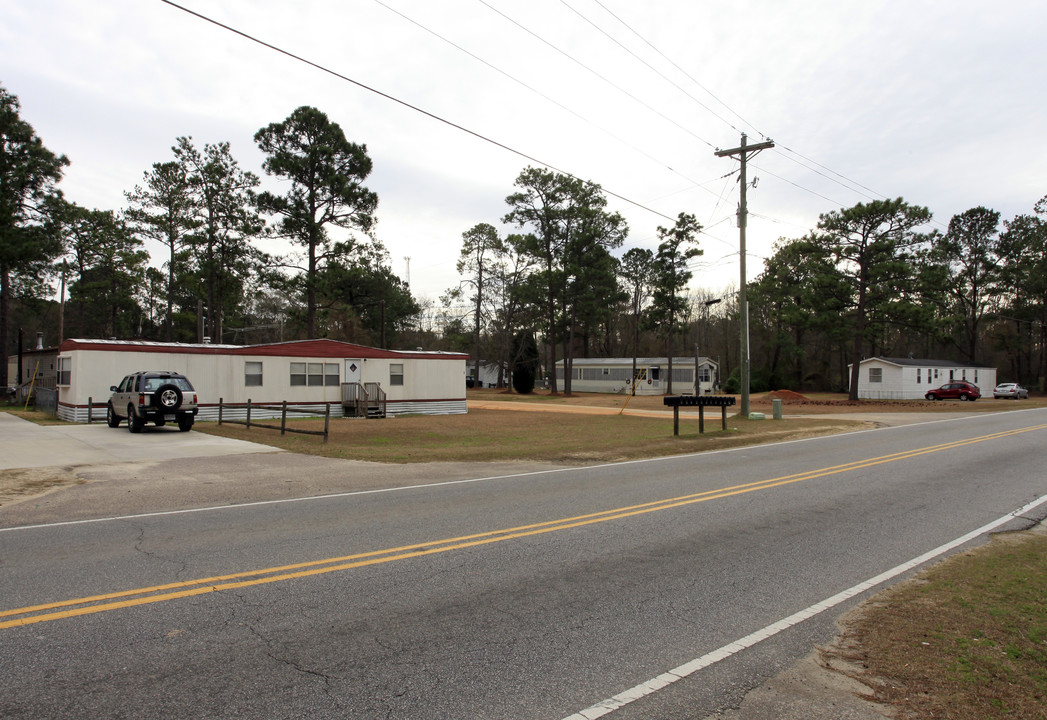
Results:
x,y
27,445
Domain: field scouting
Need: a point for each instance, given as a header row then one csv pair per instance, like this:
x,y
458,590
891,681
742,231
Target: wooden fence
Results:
x,y
284,409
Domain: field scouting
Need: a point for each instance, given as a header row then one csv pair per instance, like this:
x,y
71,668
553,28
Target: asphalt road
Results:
x,y
542,593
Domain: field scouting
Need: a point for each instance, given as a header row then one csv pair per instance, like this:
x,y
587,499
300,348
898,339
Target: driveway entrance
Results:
x,y
27,445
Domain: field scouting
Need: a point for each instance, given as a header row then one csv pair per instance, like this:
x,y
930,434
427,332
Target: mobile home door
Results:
x,y
352,370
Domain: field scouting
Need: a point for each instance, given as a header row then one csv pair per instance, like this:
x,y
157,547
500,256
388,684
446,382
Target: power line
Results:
x,y
798,186
404,103
842,177
647,64
593,72
839,178
534,90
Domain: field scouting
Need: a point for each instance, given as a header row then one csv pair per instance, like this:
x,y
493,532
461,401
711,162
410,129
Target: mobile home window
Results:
x,y
65,370
918,376
876,375
331,374
297,374
316,374
252,374
396,373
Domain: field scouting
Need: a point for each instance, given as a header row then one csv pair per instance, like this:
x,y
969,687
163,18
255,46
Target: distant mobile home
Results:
x,y
615,375
306,373
886,378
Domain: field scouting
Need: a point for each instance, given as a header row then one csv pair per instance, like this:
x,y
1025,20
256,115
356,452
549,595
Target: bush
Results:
x,y
525,362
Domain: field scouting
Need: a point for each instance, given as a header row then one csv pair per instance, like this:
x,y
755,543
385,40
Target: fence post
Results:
x,y
248,413
283,419
327,421
90,404
220,411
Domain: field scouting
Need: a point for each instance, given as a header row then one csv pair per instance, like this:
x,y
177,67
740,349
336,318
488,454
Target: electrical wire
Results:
x,y
840,179
647,64
594,72
406,104
684,72
537,92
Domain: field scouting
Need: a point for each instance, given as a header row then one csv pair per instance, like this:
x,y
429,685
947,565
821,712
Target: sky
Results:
x,y
942,104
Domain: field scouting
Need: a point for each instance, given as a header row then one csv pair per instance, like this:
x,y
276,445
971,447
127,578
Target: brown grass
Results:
x,y
819,403
966,640
493,435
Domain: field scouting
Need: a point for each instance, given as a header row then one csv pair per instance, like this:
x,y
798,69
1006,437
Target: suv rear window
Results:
x,y
154,383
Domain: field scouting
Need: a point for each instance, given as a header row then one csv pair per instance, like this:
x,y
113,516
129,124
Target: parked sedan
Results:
x,y
960,390
1010,390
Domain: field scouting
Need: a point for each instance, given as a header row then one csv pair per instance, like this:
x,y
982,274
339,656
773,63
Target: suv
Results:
x,y
156,395
959,389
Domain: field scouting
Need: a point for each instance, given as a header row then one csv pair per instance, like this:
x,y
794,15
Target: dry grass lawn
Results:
x,y
493,435
966,640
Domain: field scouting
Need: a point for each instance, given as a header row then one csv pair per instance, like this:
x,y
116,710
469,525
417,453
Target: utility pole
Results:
x,y
744,152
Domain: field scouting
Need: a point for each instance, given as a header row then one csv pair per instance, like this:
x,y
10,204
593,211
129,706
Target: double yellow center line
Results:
x,y
172,591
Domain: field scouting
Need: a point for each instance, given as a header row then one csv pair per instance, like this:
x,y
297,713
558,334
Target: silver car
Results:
x,y
1010,390
158,396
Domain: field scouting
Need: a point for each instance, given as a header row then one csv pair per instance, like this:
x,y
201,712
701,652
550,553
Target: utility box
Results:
x,y
776,408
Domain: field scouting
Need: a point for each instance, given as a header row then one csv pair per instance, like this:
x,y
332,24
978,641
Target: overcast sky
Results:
x,y
941,103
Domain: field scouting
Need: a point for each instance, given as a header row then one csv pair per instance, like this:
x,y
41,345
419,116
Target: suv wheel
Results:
x,y
931,396
965,397
185,423
168,398
134,423
111,418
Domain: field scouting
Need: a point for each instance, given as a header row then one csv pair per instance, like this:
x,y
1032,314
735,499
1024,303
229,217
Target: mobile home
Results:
x,y
886,378
615,375
306,373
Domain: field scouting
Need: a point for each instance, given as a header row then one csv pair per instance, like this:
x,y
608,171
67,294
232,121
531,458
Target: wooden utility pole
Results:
x,y
744,152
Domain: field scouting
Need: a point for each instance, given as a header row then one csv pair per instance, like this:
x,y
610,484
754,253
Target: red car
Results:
x,y
958,389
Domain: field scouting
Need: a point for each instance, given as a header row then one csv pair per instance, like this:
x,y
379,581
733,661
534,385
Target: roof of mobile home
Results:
x,y
293,348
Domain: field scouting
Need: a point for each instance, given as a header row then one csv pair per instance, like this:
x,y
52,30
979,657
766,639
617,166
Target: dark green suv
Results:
x,y
156,396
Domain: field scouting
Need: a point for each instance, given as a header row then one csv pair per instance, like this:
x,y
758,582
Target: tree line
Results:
x,y
868,280
209,214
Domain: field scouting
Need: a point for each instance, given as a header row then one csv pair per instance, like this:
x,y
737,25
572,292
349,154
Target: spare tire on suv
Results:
x,y
168,398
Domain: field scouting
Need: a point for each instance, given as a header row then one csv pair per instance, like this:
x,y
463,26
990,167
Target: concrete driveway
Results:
x,y
27,445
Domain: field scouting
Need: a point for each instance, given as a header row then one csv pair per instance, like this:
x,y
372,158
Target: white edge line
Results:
x,y
622,699
466,481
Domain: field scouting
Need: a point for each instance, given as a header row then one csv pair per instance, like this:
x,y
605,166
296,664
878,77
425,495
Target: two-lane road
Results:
x,y
654,589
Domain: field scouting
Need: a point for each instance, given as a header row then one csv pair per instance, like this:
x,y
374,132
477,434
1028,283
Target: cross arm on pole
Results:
x,y
745,148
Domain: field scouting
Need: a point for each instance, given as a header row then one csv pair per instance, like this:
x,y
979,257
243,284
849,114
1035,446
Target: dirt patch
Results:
x,y
20,485
821,686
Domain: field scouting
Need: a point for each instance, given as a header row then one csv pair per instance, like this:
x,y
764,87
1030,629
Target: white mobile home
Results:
x,y
884,378
306,373
615,375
